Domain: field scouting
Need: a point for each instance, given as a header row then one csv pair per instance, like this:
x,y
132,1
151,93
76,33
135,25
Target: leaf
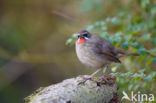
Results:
x,y
153,10
110,39
114,69
154,41
154,60
146,37
118,39
104,69
102,23
142,57
136,75
136,86
90,27
130,87
69,41
128,73
149,61
144,3
127,37
123,75
142,51
104,35
97,23
118,34
135,45
152,86
148,78
74,35
152,51
124,45
104,28
133,33
142,71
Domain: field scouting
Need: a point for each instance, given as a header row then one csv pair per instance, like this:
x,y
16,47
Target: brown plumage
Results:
x,y
96,52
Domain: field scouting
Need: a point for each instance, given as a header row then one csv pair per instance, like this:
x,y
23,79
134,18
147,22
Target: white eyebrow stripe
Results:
x,y
86,38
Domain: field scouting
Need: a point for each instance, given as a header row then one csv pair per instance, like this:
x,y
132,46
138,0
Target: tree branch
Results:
x,y
98,90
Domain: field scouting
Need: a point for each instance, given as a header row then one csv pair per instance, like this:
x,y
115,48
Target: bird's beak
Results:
x,y
77,34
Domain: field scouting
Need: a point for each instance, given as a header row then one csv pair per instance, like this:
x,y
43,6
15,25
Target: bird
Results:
x,y
96,52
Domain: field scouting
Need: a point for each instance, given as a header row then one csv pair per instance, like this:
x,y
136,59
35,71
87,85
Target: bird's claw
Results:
x,y
84,79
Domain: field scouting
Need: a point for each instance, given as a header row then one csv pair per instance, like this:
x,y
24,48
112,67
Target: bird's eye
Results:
x,y
78,36
85,35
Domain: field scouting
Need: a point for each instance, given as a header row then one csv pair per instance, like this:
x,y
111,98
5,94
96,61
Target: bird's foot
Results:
x,y
85,78
105,76
108,79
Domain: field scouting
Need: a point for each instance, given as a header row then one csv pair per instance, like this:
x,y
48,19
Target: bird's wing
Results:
x,y
109,56
106,50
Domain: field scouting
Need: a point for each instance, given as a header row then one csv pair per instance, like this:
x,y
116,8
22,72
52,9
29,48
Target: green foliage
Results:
x,y
135,32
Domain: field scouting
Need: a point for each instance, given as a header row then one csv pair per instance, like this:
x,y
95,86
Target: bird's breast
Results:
x,y
87,56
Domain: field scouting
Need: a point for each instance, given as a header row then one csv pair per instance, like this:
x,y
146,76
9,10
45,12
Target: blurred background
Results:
x,y
33,34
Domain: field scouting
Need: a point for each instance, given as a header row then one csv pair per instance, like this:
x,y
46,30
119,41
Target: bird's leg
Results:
x,y
107,69
93,74
106,72
90,76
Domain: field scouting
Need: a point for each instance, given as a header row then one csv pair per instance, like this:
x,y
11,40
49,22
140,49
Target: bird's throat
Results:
x,y
80,40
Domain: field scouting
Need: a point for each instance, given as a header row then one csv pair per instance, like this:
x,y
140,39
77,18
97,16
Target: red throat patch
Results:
x,y
80,40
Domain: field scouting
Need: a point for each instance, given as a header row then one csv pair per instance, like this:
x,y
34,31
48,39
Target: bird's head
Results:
x,y
83,36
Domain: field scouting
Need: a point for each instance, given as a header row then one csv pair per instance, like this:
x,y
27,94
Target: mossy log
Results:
x,y
97,90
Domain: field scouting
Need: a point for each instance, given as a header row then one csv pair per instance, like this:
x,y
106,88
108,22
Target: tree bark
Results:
x,y
96,90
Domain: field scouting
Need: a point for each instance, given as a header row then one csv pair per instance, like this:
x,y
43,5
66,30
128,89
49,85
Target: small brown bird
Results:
x,y
96,52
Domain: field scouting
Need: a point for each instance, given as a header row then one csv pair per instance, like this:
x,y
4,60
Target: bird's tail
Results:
x,y
124,53
134,54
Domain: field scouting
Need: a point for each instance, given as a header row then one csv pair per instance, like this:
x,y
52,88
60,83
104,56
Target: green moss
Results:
x,y
30,97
